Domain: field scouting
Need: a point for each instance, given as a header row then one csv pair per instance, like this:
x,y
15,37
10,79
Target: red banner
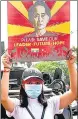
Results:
x,y
38,30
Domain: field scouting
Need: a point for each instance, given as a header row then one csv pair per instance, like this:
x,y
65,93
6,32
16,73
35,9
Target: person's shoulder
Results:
x,y
16,108
50,34
54,102
16,101
53,99
31,35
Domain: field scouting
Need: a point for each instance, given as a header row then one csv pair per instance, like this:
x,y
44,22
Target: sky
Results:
x,y
73,19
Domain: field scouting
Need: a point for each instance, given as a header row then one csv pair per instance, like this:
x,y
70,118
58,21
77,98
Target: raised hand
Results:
x,y
71,58
6,60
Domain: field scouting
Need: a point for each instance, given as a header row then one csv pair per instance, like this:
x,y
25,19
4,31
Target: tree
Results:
x,y
50,66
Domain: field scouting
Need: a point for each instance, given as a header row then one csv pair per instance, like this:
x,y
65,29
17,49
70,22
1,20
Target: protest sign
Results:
x,y
38,30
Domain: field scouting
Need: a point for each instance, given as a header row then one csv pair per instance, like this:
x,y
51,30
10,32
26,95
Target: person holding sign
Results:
x,y
32,103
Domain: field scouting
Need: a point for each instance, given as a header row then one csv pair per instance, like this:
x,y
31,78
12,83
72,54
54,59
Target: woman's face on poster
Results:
x,y
40,18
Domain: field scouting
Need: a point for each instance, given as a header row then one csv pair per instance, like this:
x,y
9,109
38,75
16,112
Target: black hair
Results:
x,y
31,10
24,98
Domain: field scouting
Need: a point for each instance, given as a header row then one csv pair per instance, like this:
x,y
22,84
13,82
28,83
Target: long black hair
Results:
x,y
24,98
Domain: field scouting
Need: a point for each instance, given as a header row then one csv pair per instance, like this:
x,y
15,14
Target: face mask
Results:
x,y
33,90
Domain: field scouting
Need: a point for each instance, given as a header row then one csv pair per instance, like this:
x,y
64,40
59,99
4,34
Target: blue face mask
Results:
x,y
33,90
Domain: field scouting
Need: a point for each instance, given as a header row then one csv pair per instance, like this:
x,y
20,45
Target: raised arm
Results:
x,y
5,100
70,95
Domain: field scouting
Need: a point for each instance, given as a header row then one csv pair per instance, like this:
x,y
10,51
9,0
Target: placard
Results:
x,y
38,30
